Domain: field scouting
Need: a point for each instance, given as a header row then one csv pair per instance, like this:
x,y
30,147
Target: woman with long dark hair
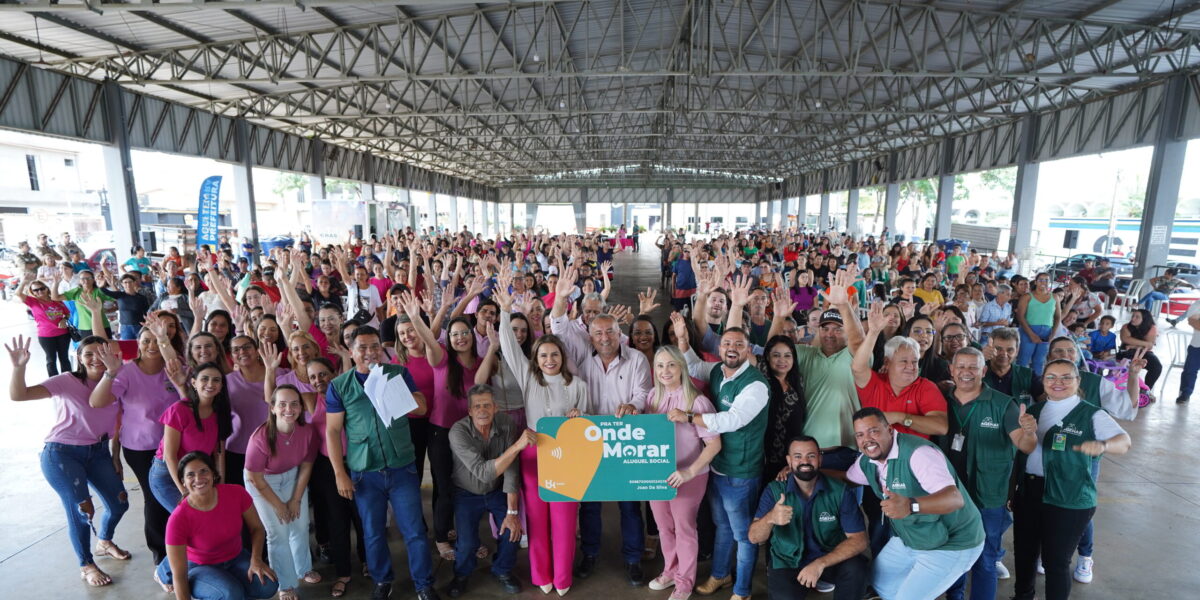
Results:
x,y
786,404
201,421
51,317
921,329
1140,332
76,453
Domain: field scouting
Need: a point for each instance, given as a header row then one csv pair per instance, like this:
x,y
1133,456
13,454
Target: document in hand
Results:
x,y
389,394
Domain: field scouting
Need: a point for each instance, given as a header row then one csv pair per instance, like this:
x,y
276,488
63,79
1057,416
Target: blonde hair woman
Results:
x,y
694,447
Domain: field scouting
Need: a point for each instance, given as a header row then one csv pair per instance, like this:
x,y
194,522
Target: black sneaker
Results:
x,y
427,594
382,591
634,572
457,587
1182,399
587,565
511,584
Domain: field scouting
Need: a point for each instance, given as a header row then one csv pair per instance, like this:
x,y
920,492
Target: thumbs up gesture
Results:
x,y
782,513
1027,422
895,506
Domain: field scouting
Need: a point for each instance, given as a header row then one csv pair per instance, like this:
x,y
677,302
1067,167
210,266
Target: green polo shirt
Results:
x,y
831,395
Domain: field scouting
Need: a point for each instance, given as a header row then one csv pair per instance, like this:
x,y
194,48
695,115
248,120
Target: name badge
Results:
x,y
1060,442
956,444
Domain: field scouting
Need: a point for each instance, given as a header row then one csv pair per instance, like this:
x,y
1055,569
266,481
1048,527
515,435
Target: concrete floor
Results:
x,y
1147,523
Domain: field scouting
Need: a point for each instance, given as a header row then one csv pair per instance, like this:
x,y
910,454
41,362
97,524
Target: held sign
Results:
x,y
603,458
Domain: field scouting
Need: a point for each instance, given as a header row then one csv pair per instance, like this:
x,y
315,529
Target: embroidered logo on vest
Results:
x,y
825,517
988,423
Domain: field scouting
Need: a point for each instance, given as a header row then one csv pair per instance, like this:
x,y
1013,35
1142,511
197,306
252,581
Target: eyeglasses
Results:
x,y
1057,378
38,289
954,338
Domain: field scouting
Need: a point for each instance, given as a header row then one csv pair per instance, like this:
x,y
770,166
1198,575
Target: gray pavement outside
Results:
x,y
1147,522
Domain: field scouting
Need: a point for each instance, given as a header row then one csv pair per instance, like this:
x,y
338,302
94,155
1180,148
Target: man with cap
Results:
x,y
1104,280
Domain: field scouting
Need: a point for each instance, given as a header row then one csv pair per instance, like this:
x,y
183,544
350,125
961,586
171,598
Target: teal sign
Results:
x,y
603,458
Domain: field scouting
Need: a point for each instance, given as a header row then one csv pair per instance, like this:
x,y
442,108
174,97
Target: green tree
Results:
x,y
289,182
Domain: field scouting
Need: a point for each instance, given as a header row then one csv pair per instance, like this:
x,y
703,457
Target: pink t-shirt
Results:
x,y
447,409
291,449
322,342
144,398
250,408
422,374
317,418
383,285
47,315
191,438
75,421
212,536
689,439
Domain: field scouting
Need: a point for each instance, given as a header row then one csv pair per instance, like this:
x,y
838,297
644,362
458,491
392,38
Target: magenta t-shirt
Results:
x,y
446,409
76,423
47,315
250,409
291,449
688,438
144,398
422,375
317,418
213,536
191,438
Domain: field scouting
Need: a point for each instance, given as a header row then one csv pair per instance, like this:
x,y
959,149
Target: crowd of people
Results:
x,y
876,415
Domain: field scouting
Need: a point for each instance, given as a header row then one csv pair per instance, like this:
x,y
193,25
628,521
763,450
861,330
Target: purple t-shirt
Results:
x,y
448,409
191,439
47,315
804,297
144,398
75,421
250,409
291,449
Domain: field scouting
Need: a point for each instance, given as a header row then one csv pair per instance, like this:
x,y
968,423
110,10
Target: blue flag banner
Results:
x,y
206,216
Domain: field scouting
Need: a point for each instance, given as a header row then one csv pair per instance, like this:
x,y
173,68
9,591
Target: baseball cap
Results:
x,y
831,316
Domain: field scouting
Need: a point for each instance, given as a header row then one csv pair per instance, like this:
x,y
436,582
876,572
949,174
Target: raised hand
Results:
x,y
18,351
1136,364
503,298
877,320
110,355
646,302
838,294
1027,421
781,514
679,326
566,283
621,313
271,356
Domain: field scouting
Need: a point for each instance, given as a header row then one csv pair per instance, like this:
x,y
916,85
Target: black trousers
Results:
x,y
153,513
441,467
850,577
334,515
235,464
1050,531
418,430
58,353
1154,367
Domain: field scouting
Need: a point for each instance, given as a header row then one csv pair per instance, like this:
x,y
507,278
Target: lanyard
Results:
x,y
962,423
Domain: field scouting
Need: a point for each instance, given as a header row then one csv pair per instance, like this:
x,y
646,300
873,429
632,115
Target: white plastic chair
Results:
x,y
1130,297
1179,341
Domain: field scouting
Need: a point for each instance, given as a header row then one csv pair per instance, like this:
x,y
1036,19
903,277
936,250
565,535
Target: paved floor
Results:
x,y
1147,523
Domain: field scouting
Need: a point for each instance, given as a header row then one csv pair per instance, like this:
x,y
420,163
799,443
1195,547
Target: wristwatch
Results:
x,y
907,421
690,415
513,513
915,507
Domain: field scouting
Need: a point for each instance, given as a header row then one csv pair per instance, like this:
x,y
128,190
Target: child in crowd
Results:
x,y
1103,342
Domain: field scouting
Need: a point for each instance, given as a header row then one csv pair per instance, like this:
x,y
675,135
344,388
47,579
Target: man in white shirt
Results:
x,y
362,296
1191,364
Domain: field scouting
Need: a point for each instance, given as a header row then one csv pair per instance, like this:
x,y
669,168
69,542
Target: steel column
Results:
x,y
945,197
1020,233
245,210
122,189
852,212
823,220
1162,189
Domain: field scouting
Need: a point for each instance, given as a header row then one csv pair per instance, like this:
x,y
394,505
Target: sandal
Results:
x,y
340,586
445,550
168,588
288,595
312,577
94,576
111,550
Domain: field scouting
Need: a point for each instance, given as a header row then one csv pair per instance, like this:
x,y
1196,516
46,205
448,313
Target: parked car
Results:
x,y
1189,272
1064,269
106,257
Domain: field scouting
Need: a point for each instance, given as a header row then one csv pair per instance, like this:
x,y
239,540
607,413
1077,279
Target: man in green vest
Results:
x,y
937,532
981,444
379,465
816,528
1003,374
741,394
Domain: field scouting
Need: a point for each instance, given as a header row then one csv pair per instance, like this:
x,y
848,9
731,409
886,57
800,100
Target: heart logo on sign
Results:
x,y
567,461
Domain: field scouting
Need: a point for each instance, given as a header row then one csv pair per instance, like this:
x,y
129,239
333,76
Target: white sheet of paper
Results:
x,y
391,397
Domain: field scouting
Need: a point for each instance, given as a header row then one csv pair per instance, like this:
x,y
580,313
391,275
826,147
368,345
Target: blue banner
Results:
x,y
206,216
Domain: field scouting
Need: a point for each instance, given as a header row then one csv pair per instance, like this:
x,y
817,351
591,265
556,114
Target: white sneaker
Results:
x,y
1041,569
825,587
660,583
1083,570
1002,571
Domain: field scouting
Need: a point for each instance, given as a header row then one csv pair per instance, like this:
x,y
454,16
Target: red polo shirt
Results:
x,y
919,398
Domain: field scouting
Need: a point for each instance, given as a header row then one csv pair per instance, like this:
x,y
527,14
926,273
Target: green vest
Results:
x,y
1069,482
958,530
990,451
1022,380
787,541
1089,387
741,452
372,444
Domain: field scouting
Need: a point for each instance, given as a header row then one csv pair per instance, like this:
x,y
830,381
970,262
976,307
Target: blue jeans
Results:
x,y
287,543
1085,547
163,486
838,459
632,529
468,510
1191,366
1151,298
373,490
222,581
70,470
1034,355
901,573
732,500
129,332
983,575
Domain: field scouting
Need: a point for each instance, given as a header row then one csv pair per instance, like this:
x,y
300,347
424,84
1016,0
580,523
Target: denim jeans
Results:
x,y
632,529
983,575
1034,355
901,573
287,543
1086,541
733,501
1153,297
129,332
468,510
1191,366
164,488
222,581
838,459
70,470
373,491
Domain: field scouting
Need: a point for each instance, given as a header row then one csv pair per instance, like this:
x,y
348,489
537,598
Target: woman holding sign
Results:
x,y
695,448
550,391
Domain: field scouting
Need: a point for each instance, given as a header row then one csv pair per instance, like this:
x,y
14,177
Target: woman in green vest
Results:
x,y
1055,496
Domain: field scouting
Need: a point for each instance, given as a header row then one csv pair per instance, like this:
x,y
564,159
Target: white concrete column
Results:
x,y
454,226
852,212
823,219
368,199
125,232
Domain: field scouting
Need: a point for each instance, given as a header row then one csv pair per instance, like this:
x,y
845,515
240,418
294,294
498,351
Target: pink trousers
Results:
x,y
551,529
676,521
